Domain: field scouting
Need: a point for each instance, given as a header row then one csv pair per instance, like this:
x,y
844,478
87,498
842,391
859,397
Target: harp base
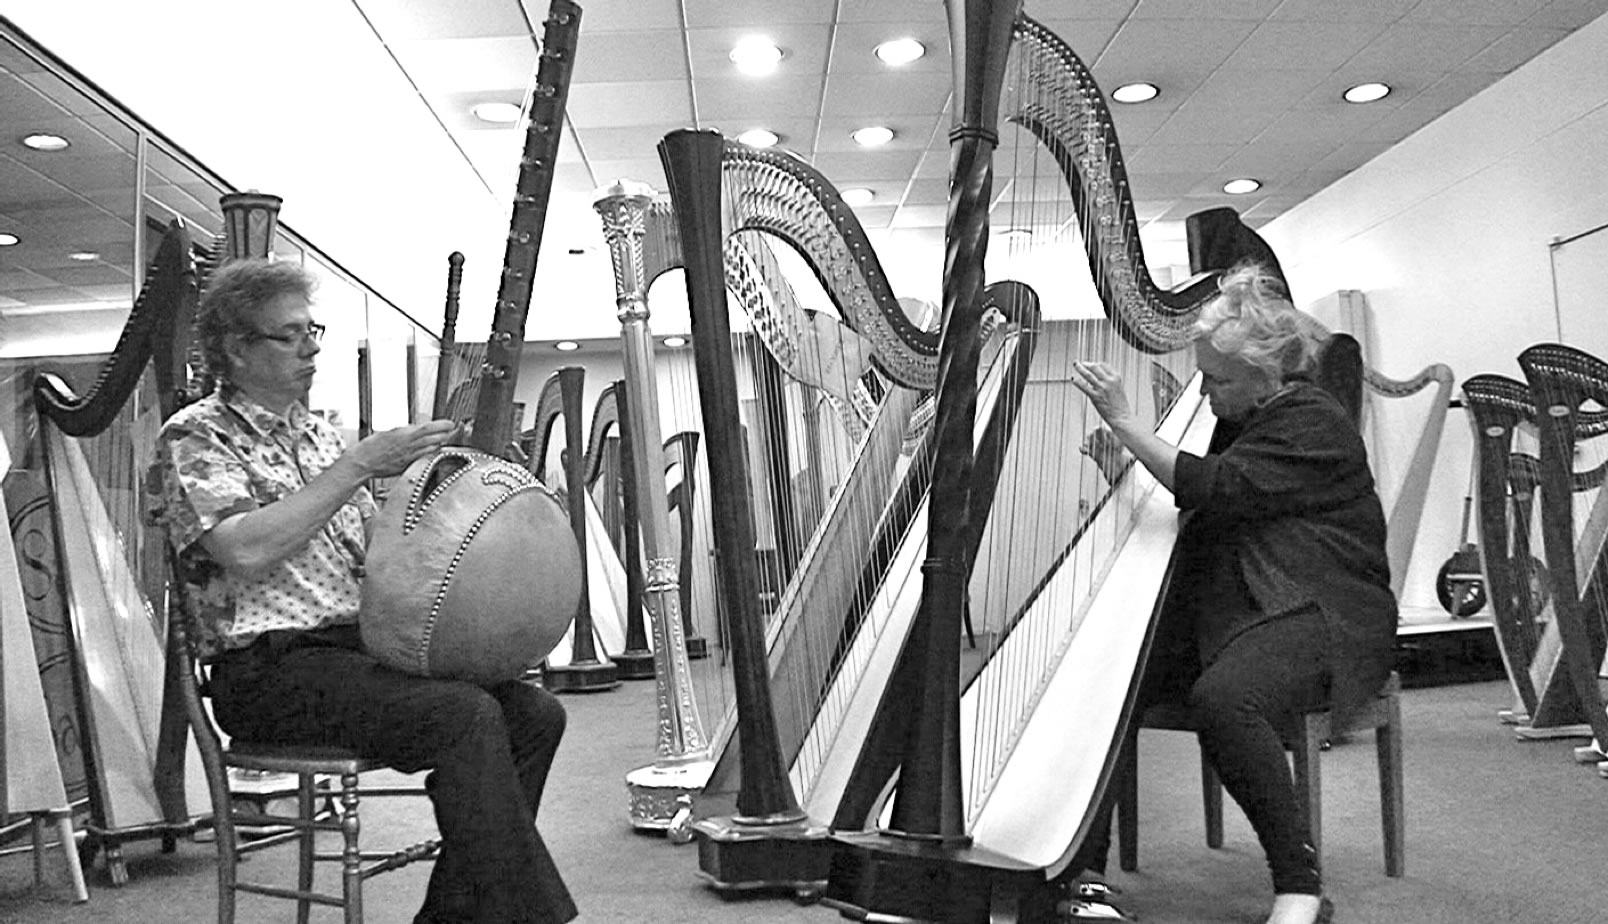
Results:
x,y
581,677
883,878
635,665
662,794
740,855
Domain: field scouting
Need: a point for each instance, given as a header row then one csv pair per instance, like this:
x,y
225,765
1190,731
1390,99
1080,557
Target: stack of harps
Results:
x,y
1508,477
1569,388
108,570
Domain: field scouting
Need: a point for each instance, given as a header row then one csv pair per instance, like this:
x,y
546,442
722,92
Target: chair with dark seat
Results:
x,y
234,816
1382,714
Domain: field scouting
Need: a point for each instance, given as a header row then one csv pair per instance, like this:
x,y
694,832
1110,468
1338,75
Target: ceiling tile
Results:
x,y
402,20
1195,46
856,168
1474,12
612,105
1425,47
1255,10
1180,158
655,55
804,48
1316,45
1371,11
616,15
879,96
738,100
1513,49
470,63
761,13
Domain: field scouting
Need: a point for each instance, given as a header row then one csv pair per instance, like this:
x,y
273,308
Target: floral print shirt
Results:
x,y
226,454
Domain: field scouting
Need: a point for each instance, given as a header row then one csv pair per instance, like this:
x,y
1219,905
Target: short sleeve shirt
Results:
x,y
225,454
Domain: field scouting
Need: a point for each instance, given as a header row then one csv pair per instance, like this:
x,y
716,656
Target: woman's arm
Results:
x,y
1104,388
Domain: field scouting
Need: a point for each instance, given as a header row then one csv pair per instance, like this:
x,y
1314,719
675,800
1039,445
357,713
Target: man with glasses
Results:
x,y
267,509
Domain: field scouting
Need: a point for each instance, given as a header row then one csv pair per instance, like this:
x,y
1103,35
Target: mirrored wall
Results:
x,y
85,191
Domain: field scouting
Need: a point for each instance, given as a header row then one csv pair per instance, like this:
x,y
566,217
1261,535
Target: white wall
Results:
x,y
1448,236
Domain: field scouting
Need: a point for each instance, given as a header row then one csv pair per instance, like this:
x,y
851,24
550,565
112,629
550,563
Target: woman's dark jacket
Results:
x,y
1286,499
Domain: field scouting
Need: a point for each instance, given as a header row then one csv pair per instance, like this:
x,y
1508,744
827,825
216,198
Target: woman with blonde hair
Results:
x,y
1280,600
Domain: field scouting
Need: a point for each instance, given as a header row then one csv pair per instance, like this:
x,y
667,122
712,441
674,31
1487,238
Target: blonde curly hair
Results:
x,y
1253,319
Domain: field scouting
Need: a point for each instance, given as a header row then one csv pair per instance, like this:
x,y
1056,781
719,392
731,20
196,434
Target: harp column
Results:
x,y
661,793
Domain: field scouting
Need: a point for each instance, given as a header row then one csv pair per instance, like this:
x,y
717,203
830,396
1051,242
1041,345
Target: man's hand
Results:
x,y
390,452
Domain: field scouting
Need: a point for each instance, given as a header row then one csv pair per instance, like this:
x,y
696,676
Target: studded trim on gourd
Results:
x,y
422,655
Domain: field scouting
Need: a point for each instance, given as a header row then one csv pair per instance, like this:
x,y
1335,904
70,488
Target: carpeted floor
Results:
x,y
1498,831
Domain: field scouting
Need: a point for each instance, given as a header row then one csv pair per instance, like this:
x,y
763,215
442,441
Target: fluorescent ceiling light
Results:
x,y
900,51
1366,92
872,136
1242,186
756,56
1135,92
41,141
496,113
858,196
759,138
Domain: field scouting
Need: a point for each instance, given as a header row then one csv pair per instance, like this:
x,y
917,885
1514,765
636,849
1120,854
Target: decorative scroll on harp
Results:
x,y
494,427
134,739
1569,387
1508,474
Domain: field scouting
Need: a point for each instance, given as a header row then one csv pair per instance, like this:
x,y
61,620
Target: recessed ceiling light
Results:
x,y
900,51
83,256
41,141
872,136
7,239
674,342
566,346
496,113
1135,92
756,56
1242,186
759,138
1366,92
858,196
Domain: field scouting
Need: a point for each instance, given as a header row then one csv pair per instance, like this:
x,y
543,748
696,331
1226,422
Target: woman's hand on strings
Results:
x,y
1104,388
390,452
1106,450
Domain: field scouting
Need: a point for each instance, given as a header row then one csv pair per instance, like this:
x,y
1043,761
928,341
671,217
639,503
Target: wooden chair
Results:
x,y
1382,714
310,765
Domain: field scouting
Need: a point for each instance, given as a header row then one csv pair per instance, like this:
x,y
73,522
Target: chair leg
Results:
x,y
1308,773
223,835
69,850
1211,797
1392,803
351,857
306,845
1128,806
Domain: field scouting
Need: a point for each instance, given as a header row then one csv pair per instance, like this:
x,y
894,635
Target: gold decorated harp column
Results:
x,y
661,793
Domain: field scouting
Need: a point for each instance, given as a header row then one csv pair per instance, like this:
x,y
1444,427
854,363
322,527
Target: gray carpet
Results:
x,y
1498,830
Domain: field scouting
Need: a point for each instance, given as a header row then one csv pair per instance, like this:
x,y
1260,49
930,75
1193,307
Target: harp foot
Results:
x,y
737,855
883,878
635,665
581,677
662,795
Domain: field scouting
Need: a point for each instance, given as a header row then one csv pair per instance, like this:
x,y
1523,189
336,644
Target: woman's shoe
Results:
x,y
1074,909
1325,913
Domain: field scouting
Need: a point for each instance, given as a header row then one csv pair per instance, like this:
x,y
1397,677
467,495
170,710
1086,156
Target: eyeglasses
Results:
x,y
312,333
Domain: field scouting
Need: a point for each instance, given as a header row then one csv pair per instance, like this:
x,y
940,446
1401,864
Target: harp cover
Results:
x,y
473,571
